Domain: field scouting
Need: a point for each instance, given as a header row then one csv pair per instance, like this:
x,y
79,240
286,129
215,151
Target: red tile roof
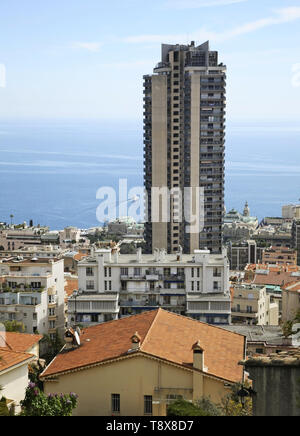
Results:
x,y
164,335
293,286
20,342
70,286
9,358
80,256
278,275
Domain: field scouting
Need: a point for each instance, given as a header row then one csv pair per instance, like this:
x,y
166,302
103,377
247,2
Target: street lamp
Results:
x,y
245,392
75,295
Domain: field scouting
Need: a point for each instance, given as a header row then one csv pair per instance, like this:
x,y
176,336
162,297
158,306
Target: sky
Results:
x,y
85,59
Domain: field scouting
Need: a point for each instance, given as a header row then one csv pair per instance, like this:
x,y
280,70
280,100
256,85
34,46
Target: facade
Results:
x,y
184,136
243,253
291,211
181,357
239,227
253,305
279,256
125,226
32,292
14,239
113,285
276,383
296,238
14,375
290,301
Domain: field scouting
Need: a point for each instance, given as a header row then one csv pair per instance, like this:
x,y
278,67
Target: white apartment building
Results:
x,y
32,292
112,286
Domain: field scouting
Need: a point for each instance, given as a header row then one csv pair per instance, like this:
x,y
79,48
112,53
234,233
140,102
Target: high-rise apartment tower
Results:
x,y
184,136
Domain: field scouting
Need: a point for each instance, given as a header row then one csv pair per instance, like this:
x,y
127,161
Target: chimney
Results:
x,y
69,339
136,342
116,256
198,356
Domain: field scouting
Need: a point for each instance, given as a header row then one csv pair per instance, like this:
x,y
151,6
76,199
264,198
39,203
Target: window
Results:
x,y
89,272
148,405
137,271
90,285
115,403
124,271
167,300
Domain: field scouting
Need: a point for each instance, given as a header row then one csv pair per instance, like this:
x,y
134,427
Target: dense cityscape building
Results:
x,y
112,285
184,137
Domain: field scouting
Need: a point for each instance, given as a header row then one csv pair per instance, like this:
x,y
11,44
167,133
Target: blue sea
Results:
x,y
50,171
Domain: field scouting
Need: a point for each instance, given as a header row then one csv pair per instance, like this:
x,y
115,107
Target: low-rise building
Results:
x,y
290,301
263,339
16,238
279,256
32,292
21,342
269,274
181,357
276,383
14,375
253,305
113,285
296,237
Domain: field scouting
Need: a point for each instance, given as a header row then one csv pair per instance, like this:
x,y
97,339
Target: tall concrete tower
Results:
x,y
184,137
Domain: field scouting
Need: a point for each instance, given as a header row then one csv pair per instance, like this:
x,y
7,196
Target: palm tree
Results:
x,y
11,218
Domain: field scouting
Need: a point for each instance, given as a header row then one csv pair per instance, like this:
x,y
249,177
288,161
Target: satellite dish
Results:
x,y
77,338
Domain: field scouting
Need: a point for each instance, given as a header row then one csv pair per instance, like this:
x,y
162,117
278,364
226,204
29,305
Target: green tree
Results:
x,y
36,403
53,346
4,411
14,326
202,407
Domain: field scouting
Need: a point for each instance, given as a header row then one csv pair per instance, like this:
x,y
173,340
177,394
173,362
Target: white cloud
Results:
x,y
89,46
194,4
280,16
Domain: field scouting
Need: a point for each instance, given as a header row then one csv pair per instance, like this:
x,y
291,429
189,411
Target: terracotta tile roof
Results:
x,y
164,335
80,256
272,267
273,278
293,286
9,358
20,342
70,286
